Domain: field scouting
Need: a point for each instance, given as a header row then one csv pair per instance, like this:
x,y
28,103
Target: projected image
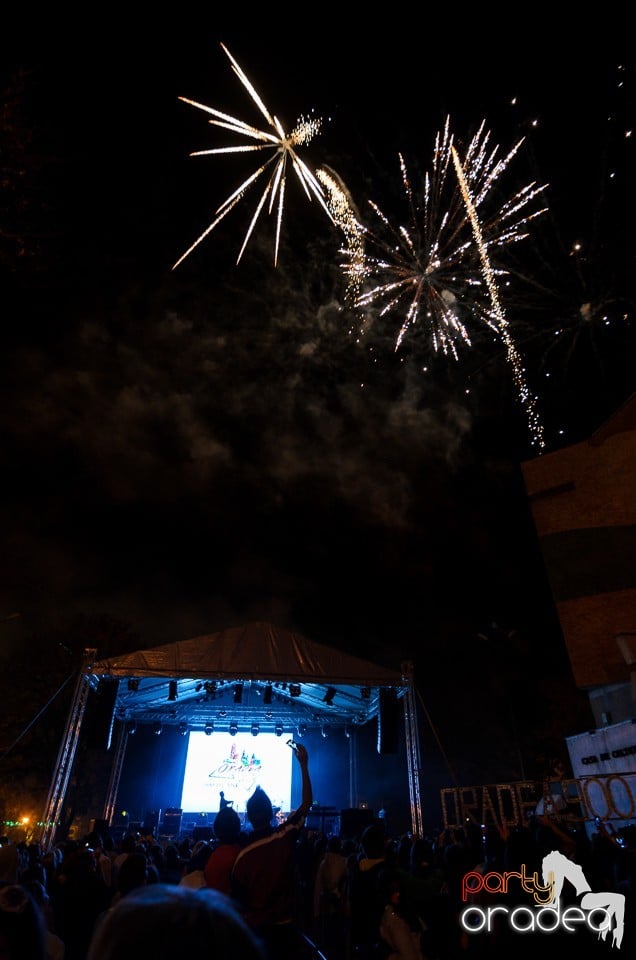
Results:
x,y
236,765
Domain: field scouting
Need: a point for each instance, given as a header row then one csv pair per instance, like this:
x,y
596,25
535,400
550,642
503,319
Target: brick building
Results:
x,y
583,502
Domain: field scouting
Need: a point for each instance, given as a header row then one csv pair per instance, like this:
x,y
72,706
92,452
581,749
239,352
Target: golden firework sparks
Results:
x,y
283,149
428,270
527,399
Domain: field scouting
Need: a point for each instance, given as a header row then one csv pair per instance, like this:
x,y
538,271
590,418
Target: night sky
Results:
x,y
185,450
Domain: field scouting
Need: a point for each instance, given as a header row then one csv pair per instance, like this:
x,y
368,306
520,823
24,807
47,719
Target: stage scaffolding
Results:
x,y
57,792
115,775
89,679
412,739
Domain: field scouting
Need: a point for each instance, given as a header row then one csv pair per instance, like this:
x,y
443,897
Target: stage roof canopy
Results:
x,y
256,673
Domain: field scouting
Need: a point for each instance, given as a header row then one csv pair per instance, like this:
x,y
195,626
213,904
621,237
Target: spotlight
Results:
x,y
132,728
347,732
294,689
183,728
172,690
267,698
238,693
329,695
301,729
365,693
325,732
133,684
278,729
209,729
255,729
233,728
156,729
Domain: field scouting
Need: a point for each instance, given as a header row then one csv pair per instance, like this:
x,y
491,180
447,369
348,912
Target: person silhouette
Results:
x,y
263,881
229,840
223,803
167,920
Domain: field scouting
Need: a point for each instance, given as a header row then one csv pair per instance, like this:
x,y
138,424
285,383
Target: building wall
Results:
x,y
609,703
583,502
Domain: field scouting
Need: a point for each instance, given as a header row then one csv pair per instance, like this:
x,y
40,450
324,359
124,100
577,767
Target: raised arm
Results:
x,y
307,793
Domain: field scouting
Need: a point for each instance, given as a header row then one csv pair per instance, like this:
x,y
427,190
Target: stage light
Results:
x,y
301,729
183,728
209,729
255,729
267,698
133,684
157,729
238,693
365,693
233,728
329,695
347,732
278,729
325,732
294,689
132,728
172,690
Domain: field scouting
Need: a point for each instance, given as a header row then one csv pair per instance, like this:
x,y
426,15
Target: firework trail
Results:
x,y
528,401
282,147
345,216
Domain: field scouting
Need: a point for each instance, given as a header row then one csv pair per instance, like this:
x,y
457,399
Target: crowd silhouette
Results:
x,y
273,890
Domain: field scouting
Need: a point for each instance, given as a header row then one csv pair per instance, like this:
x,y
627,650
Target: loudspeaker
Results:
x,y
324,819
354,821
172,821
202,833
100,727
151,821
101,827
388,721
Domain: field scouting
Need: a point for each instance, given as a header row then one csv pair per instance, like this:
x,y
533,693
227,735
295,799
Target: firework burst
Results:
x,y
441,269
282,148
579,312
429,270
